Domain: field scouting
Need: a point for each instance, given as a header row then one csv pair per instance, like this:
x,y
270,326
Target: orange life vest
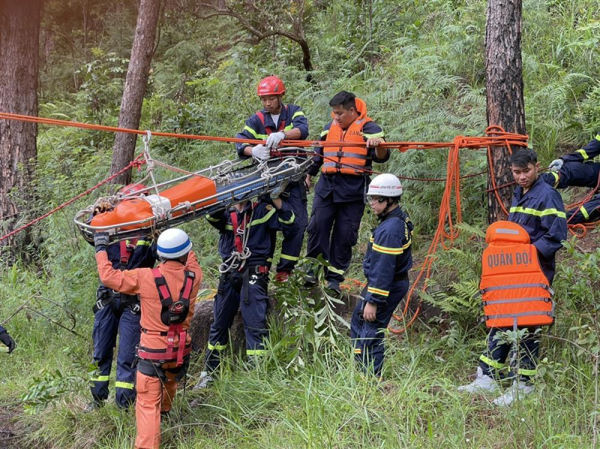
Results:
x,y
514,289
348,160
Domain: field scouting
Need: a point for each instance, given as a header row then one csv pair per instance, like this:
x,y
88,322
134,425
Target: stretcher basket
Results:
x,y
227,183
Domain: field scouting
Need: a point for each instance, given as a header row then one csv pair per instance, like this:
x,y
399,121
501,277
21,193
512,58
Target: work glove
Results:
x,y
261,152
101,207
274,139
101,241
556,164
279,189
8,341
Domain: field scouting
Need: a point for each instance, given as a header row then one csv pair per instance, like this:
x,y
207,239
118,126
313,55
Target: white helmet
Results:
x,y
387,185
172,244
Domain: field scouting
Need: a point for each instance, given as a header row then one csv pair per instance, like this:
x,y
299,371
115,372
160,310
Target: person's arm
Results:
x,y
299,123
384,252
7,340
250,132
192,265
218,220
125,281
590,151
554,222
317,160
374,136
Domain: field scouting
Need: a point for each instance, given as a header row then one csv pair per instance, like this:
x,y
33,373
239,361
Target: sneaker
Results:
x,y
481,384
516,391
204,381
310,280
93,406
282,276
334,286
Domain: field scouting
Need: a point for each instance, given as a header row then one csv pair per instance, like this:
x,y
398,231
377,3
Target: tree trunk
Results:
x,y
504,93
19,64
135,86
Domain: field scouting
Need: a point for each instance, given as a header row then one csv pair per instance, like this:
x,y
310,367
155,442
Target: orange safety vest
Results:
x,y
348,160
514,289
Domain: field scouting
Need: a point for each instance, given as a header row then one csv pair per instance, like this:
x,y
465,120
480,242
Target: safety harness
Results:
x,y
261,117
514,289
173,314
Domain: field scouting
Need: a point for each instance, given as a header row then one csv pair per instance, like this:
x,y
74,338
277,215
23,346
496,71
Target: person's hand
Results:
x,y
8,341
307,182
101,241
279,189
374,142
556,164
370,312
275,139
261,152
101,207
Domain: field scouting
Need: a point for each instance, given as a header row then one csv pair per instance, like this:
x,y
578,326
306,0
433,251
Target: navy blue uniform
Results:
x,y
541,213
386,266
338,207
579,171
291,117
118,313
246,287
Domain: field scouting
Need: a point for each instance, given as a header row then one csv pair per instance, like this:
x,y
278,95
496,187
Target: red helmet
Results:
x,y
271,85
131,188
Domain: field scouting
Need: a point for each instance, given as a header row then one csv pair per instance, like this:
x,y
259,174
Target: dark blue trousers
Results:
x,y
292,244
367,337
587,213
108,322
248,291
332,232
493,361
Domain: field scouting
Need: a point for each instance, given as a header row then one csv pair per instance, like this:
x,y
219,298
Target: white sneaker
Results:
x,y
204,381
516,391
482,383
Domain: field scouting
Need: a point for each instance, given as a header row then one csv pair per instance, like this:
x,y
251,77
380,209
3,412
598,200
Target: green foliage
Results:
x,y
48,387
311,324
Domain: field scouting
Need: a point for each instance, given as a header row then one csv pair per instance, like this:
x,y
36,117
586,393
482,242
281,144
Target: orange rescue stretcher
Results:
x,y
191,196
514,289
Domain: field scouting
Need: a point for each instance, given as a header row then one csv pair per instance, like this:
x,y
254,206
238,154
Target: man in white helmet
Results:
x,y
167,297
386,267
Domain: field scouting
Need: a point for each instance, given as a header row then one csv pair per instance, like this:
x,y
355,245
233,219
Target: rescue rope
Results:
x,y
137,162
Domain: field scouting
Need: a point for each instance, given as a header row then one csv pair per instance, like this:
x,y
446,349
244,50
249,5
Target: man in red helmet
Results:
x,y
118,313
274,123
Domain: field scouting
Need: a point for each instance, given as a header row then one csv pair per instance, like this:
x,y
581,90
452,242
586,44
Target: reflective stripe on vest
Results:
x,y
514,289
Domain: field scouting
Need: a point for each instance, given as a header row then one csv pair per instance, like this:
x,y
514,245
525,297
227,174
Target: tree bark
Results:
x,y
19,65
504,93
135,86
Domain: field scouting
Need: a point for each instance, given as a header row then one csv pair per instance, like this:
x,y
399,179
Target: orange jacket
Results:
x,y
514,289
347,160
141,282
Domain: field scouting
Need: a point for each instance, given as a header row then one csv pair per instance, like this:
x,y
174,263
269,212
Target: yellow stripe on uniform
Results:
x,y
290,221
285,256
124,385
99,379
392,251
492,362
538,213
216,347
255,134
378,291
256,351
263,219
584,212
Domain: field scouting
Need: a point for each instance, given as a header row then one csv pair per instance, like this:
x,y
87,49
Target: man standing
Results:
x,y
117,313
340,192
167,298
274,123
538,209
386,266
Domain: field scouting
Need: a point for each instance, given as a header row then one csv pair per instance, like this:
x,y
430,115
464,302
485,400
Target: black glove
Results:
x,y
8,341
101,241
